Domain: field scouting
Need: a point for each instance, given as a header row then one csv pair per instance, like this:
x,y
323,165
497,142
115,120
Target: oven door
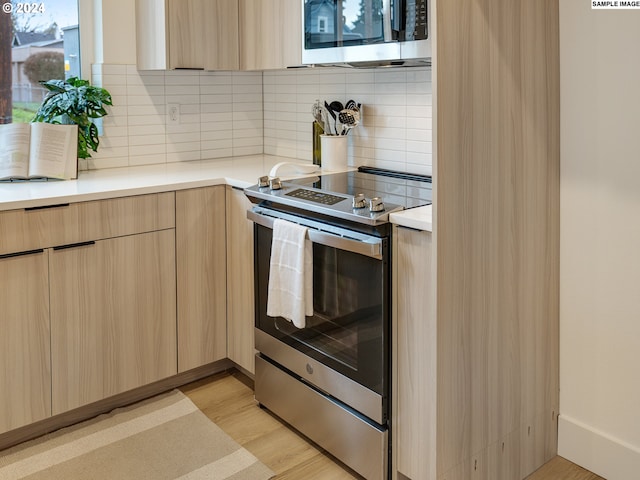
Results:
x,y
344,348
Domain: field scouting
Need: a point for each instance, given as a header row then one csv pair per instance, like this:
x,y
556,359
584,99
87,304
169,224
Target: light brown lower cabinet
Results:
x,y
25,369
240,298
201,270
113,321
415,350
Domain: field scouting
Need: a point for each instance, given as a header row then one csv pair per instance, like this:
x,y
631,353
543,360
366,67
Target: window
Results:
x,y
39,41
322,24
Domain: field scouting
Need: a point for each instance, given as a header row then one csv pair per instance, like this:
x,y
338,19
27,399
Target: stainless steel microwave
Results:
x,y
366,32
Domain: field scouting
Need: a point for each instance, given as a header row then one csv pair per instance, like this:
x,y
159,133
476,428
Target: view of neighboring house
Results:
x,y
26,44
327,26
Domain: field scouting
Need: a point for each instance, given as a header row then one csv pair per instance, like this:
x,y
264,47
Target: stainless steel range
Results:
x,y
330,379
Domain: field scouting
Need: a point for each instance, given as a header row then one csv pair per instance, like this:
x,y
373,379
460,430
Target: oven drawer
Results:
x,y
354,441
360,398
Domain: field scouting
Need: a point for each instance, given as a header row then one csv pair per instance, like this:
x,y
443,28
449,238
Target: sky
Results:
x,y
63,12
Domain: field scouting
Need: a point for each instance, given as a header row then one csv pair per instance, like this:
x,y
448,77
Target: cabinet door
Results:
x,y
415,356
113,316
240,298
201,264
270,32
25,374
187,38
222,50
203,34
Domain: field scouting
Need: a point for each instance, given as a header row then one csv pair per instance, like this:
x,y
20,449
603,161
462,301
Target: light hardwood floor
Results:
x,y
227,399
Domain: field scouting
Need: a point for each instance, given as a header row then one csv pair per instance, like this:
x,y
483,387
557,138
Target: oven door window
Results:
x,y
349,329
337,23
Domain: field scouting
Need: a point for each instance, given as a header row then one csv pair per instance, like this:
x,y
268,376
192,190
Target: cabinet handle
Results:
x,y
74,245
30,209
21,254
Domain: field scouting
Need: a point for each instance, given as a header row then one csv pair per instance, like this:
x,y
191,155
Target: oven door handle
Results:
x,y
364,245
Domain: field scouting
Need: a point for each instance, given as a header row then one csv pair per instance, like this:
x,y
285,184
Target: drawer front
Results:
x,y
29,229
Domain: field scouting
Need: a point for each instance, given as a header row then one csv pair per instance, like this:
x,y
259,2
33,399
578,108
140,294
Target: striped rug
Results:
x,y
166,437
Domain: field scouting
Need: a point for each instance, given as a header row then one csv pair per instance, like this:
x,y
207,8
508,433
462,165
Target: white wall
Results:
x,y
599,426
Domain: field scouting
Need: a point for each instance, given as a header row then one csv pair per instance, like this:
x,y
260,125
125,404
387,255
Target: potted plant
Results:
x,y
75,101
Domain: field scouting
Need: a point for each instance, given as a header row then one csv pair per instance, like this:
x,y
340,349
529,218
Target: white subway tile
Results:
x,y
159,149
106,162
216,108
216,144
247,150
183,77
140,130
113,69
222,89
183,99
135,120
147,100
217,153
145,79
183,156
151,159
183,147
146,110
138,140
183,128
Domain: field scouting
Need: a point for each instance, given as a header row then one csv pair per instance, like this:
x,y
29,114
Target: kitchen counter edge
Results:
x,y
107,183
419,218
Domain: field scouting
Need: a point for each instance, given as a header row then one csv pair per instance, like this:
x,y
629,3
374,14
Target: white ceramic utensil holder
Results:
x,y
334,152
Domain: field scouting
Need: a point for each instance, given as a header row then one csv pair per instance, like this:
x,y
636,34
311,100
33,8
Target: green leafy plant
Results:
x,y
75,101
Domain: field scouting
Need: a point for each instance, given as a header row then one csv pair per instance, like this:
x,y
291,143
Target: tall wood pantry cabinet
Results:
x,y
483,382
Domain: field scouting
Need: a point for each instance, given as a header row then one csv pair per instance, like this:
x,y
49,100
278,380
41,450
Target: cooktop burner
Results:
x,y
367,195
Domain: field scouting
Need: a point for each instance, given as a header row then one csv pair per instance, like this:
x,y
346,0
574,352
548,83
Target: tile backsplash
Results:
x,y
226,114
220,116
396,127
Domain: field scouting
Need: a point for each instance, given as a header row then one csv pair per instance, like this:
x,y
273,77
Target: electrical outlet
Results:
x,y
173,113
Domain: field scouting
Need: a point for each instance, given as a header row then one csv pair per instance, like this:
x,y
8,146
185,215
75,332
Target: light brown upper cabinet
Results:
x,y
193,34
270,34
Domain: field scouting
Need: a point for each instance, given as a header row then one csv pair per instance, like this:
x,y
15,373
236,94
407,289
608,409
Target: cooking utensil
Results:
x,y
337,107
349,119
351,105
331,113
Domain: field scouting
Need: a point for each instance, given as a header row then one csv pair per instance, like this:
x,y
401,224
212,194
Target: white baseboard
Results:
x,y
596,451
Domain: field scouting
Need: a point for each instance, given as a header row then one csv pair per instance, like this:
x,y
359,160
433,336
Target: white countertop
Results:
x,y
419,218
126,181
121,182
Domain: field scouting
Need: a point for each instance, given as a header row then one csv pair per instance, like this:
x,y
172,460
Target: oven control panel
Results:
x,y
315,196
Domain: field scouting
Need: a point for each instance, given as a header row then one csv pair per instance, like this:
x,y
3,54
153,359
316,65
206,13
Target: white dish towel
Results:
x,y
290,292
